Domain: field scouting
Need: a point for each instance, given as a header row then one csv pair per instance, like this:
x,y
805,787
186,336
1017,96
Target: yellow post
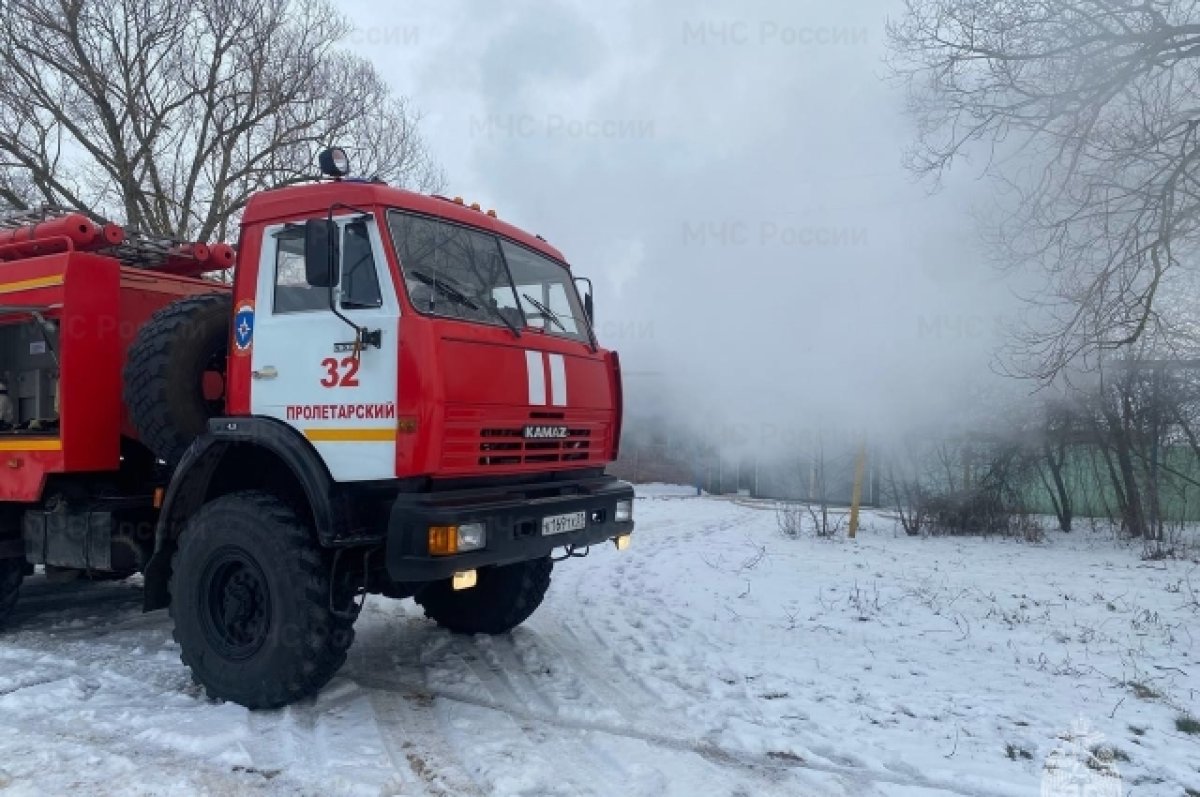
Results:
x,y
860,470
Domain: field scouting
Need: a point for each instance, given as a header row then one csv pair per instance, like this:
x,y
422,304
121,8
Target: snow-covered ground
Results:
x,y
712,657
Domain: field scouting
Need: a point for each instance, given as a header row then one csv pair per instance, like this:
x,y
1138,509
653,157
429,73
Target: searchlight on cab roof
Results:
x,y
334,162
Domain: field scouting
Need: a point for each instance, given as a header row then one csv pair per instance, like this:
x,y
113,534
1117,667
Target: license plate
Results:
x,y
559,524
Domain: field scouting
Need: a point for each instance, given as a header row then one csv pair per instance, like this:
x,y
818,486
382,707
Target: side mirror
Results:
x,y
320,252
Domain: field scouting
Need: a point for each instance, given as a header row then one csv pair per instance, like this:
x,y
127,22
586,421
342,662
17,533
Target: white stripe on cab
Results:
x,y
558,380
537,378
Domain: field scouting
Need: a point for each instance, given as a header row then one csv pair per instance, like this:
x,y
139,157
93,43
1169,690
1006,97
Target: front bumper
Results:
x,y
513,518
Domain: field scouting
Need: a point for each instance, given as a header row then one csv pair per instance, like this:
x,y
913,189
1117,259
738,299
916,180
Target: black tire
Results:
x,y
503,598
250,601
12,573
166,370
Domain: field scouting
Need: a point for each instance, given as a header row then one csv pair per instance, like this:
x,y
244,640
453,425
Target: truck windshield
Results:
x,y
471,275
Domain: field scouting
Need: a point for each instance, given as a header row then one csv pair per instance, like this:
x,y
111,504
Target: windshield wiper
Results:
x,y
445,289
545,311
461,298
499,314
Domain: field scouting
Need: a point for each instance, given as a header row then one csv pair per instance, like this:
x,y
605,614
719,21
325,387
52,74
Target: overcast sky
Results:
x,y
730,174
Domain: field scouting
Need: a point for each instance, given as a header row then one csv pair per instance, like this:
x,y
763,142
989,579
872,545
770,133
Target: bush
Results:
x,y
790,518
1187,724
967,511
980,510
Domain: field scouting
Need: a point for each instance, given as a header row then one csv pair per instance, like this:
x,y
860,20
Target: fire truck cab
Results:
x,y
401,394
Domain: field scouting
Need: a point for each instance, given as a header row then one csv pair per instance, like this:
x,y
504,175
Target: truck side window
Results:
x,y
360,280
293,294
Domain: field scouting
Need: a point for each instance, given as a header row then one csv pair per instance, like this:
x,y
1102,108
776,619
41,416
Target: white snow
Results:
x,y
713,657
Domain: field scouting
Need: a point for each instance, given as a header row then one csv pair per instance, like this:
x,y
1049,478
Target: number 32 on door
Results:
x,y
342,373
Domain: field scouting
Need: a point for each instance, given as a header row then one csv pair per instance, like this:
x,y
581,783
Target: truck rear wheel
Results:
x,y
12,573
502,599
250,598
175,373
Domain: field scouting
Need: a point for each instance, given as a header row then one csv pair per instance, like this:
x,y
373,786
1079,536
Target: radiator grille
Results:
x,y
508,446
474,441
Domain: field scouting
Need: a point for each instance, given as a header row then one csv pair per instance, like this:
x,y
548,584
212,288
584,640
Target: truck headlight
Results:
x,y
447,540
624,512
471,536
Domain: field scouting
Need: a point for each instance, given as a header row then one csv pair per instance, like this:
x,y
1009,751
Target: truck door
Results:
x,y
304,367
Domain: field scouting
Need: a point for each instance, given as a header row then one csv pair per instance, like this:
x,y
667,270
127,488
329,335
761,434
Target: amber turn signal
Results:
x,y
443,540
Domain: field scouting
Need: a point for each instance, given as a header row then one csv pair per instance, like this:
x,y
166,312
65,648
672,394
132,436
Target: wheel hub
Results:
x,y
235,604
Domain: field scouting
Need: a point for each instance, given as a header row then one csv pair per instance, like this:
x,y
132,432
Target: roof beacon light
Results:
x,y
334,162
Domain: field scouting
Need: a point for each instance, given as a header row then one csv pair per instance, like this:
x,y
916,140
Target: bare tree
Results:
x,y
1135,425
818,494
916,470
169,115
908,497
1054,440
1088,111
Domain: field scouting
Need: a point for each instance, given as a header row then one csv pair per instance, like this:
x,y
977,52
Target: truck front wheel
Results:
x,y
503,598
250,597
12,573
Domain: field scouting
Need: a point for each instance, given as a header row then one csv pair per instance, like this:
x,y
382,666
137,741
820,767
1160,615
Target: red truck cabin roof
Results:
x,y
314,199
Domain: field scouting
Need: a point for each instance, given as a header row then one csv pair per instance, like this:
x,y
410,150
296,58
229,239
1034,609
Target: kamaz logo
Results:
x,y
546,432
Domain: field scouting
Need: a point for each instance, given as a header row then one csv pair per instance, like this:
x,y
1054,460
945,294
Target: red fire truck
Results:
x,y
399,395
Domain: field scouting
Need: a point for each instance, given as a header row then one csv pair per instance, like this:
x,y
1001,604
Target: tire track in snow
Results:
x,y
589,768
416,746
757,766
642,631
98,657
202,776
281,737
215,779
284,751
631,627
502,661
520,669
636,678
575,756
493,673
600,684
27,683
772,771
